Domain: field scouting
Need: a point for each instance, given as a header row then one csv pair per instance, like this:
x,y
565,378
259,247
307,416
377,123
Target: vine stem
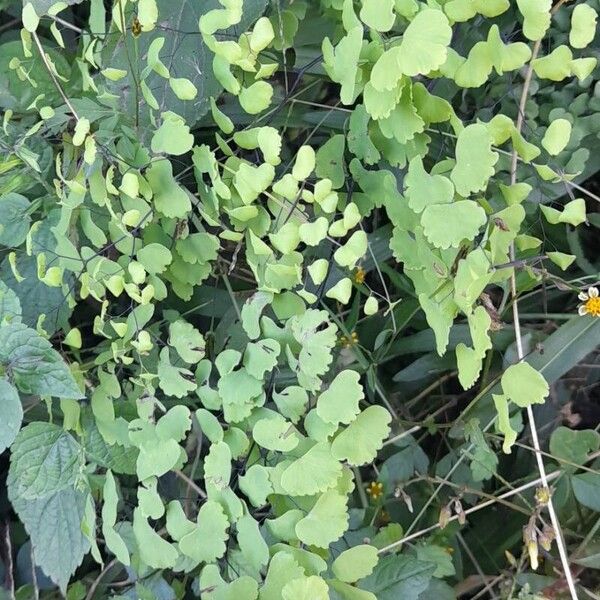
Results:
x,y
64,96
560,543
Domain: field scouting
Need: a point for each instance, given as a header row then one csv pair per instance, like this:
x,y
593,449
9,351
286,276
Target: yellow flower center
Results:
x,y
359,275
592,305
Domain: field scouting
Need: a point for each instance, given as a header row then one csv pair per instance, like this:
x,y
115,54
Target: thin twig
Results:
x,y
475,563
564,558
9,580
67,24
469,511
96,583
191,483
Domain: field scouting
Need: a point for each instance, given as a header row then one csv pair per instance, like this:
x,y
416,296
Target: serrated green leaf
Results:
x,y
36,368
475,160
11,414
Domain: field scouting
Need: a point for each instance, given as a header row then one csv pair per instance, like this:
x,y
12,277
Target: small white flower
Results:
x,y
591,302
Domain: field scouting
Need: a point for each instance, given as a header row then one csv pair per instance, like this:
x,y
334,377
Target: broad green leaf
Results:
x,y
348,591
210,426
315,471
475,160
355,563
326,522
330,161
359,442
557,136
183,88
30,17
564,261
399,577
583,25
174,424
339,402
10,306
472,276
217,465
313,233
425,43
283,568
11,414
433,553
359,141
36,368
573,446
14,219
586,487
352,251
304,164
251,311
54,524
261,357
504,425
341,291
44,459
524,385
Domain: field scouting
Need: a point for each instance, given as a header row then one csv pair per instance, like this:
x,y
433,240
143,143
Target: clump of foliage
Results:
x,y
281,285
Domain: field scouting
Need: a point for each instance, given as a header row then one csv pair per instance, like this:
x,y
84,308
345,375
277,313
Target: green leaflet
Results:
x,y
355,563
326,522
424,43
359,442
315,471
475,160
339,403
